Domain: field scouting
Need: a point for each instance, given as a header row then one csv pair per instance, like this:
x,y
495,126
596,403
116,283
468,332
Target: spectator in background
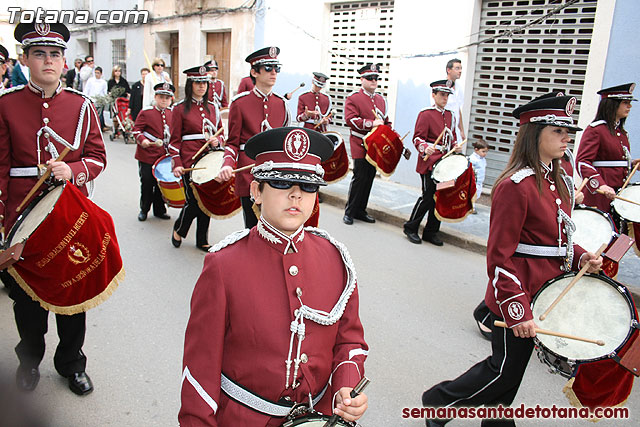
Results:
x,y
20,74
157,75
118,81
94,87
73,75
4,75
137,90
456,100
86,72
479,162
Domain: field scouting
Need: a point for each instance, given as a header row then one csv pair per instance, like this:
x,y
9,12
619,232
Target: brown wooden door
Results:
x,y
219,48
175,64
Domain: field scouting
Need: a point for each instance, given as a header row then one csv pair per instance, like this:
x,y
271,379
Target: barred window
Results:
x,y
119,55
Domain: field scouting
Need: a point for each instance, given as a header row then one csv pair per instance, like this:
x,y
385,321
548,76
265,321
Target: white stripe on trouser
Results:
x,y
504,360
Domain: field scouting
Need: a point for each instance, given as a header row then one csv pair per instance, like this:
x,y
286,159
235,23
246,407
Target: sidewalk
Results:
x,y
392,203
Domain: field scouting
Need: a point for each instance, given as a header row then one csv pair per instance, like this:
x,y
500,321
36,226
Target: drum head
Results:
x,y
594,308
335,137
627,210
212,162
450,168
162,170
33,216
593,228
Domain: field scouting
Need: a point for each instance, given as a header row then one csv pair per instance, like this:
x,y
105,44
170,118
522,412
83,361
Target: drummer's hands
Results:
x,y
595,263
146,143
525,329
634,162
579,198
458,148
178,171
226,173
429,150
213,141
350,408
378,122
60,170
609,193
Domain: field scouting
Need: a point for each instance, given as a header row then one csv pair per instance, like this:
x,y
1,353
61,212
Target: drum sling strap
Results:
x,y
259,404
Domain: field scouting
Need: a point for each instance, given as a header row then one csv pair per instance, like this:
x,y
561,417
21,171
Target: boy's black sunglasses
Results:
x,y
371,78
269,68
285,185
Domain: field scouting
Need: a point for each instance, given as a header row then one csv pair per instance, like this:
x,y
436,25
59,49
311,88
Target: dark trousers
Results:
x,y
32,323
424,204
492,382
189,212
149,191
482,314
250,219
360,188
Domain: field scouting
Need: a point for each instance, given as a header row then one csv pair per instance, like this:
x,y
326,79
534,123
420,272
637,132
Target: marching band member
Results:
x,y
33,118
298,302
603,154
314,106
194,122
250,113
360,117
217,91
530,242
246,84
151,131
430,124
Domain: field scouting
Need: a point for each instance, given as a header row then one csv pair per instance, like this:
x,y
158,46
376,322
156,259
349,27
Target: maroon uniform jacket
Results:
x,y
519,214
314,101
218,93
358,113
250,113
245,85
598,145
240,326
24,111
186,131
429,125
150,124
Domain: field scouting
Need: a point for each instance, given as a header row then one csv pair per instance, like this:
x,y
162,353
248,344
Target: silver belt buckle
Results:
x,y
41,170
297,410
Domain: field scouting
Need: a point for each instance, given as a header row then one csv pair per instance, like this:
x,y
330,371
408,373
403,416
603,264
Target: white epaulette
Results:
x,y
433,107
12,89
280,96
598,123
77,92
304,93
353,93
179,102
230,240
518,176
240,95
148,107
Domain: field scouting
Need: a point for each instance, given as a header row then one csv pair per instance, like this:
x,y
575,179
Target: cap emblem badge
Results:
x,y
202,70
571,105
166,86
42,28
296,145
273,52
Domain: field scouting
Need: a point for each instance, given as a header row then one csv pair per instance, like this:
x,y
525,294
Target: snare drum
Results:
x,y
450,168
384,149
596,308
34,215
315,420
216,199
626,210
170,185
593,228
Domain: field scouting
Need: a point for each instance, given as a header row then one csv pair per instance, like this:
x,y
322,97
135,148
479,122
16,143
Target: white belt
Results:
x,y
24,172
151,137
611,163
256,402
193,137
541,251
359,135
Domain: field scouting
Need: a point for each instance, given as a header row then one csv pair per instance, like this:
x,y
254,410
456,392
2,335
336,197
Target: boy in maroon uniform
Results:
x,y
217,89
314,106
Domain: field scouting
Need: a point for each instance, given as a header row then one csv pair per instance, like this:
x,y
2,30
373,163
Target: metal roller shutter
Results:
x,y
550,55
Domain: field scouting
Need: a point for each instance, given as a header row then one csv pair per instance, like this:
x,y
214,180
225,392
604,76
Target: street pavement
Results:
x,y
416,304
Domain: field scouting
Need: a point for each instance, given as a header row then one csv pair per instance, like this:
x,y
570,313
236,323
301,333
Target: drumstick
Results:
x,y
624,199
584,182
453,149
426,157
359,388
244,168
375,113
583,270
500,324
328,116
42,179
192,169
207,143
294,91
405,135
635,168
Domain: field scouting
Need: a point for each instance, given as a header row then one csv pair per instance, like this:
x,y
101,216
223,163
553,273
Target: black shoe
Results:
x,y
433,239
204,248
142,216
175,241
366,218
347,220
27,378
163,216
80,383
413,237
